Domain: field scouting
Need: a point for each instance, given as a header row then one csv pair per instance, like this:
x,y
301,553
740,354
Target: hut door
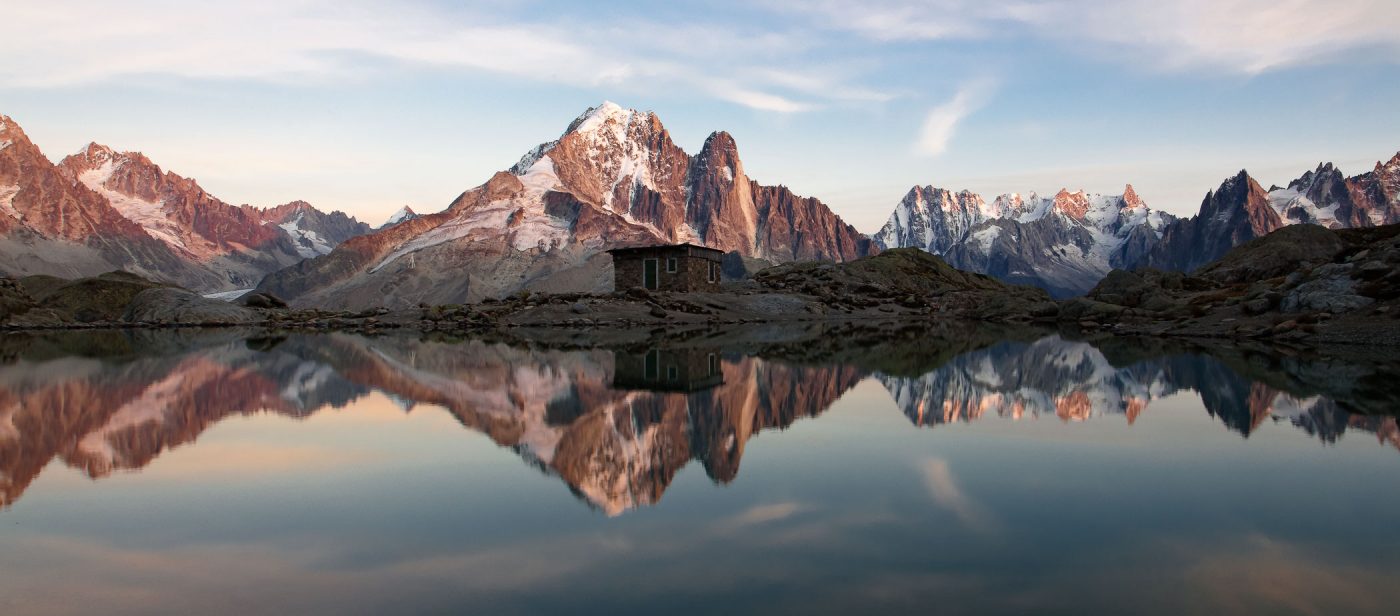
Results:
x,y
649,273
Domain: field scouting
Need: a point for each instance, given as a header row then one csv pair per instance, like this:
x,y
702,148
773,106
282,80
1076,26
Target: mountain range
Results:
x,y
1066,243
613,178
100,210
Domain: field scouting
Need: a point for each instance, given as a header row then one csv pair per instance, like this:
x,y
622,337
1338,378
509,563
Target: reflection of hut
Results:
x,y
678,370
682,267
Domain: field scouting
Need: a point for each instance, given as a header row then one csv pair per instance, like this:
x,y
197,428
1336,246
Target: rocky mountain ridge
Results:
x,y
613,178
1063,243
1068,242
402,214
100,210
1241,210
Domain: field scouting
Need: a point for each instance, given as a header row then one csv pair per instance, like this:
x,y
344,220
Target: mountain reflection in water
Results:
x,y
615,425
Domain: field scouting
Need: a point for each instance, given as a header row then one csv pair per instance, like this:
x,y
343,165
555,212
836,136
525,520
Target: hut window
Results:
x,y
671,265
672,374
653,365
714,364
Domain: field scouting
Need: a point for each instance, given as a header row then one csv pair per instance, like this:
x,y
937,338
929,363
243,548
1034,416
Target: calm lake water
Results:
x,y
337,474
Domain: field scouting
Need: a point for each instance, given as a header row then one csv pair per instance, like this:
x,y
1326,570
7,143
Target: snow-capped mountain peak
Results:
x,y
404,213
1064,243
613,178
932,218
608,114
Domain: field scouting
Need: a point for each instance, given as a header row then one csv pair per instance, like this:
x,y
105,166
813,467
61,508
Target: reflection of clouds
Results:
x,y
53,575
1263,574
1227,573
757,515
944,489
837,566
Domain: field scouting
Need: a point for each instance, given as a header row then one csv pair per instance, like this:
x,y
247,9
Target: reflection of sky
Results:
x,y
367,509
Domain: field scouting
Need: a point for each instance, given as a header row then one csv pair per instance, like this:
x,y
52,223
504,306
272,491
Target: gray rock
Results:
x,y
1330,293
579,308
181,306
262,300
1373,269
1257,306
1084,309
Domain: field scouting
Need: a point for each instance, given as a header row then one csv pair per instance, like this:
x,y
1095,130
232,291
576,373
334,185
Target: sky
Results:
x,y
369,106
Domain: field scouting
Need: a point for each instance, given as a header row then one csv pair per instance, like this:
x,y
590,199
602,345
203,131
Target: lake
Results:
x,y
227,473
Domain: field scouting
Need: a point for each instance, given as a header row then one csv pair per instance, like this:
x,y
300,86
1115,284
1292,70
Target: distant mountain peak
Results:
x,y
7,125
595,118
1063,242
614,178
404,213
1131,200
1393,163
1072,204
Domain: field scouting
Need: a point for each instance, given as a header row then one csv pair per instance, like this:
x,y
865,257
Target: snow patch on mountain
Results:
x,y
1293,206
404,213
308,243
522,216
932,218
985,236
7,200
1034,207
150,215
228,296
1063,243
607,130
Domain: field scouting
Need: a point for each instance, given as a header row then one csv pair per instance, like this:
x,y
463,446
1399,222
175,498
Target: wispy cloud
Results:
x,y
758,515
905,20
320,41
942,121
1244,36
944,489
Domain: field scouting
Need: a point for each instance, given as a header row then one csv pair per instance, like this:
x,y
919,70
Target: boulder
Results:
x,y
1330,289
174,305
1148,289
1085,309
1277,254
265,301
100,298
13,299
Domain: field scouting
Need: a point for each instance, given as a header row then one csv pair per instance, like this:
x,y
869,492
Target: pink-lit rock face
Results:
x,y
101,210
47,202
613,179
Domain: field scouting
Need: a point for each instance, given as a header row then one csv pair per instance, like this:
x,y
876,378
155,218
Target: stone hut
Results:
x,y
679,267
667,370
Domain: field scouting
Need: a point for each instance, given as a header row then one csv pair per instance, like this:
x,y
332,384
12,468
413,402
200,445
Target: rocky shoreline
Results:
x,y
1303,285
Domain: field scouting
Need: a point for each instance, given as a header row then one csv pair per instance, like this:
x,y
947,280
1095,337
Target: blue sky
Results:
x,y
366,106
